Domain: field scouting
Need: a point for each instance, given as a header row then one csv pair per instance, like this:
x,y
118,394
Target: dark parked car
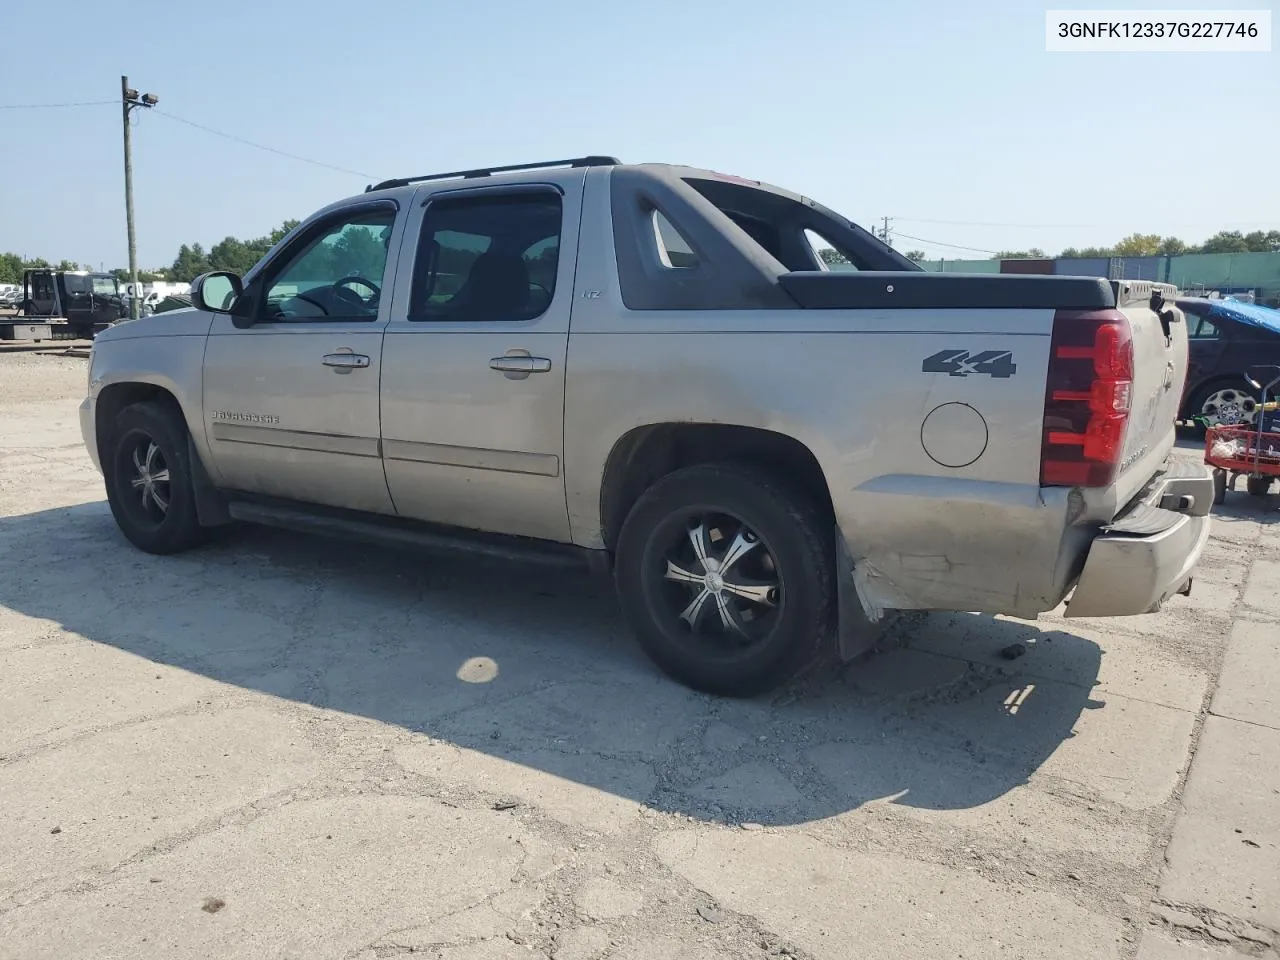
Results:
x,y
1226,337
175,301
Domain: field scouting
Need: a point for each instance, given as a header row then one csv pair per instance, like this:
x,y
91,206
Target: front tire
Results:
x,y
726,576
148,478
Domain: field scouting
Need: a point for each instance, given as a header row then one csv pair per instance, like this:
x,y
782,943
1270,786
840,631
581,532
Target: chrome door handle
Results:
x,y
518,364
345,362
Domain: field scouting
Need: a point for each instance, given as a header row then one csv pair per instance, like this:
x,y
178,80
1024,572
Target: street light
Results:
x,y
130,101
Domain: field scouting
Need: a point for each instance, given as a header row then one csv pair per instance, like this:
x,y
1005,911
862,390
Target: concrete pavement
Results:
x,y
1221,888
284,747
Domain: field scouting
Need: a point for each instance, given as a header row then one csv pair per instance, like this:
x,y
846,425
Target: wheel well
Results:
x,y
646,454
117,396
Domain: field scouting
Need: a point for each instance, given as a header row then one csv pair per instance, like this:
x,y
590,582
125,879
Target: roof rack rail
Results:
x,y
487,171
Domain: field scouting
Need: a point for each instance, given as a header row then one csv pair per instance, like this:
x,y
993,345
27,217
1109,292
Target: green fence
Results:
x,y
962,266
1209,271
1216,270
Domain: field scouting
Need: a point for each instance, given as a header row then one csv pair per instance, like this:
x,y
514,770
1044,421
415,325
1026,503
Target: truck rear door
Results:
x,y
474,357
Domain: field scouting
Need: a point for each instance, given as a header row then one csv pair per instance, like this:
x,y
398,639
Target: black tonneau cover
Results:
x,y
837,290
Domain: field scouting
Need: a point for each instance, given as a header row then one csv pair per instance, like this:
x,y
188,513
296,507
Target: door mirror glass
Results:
x,y
216,291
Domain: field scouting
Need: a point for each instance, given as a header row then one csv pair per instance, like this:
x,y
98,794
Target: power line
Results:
x,y
250,143
939,243
977,223
54,106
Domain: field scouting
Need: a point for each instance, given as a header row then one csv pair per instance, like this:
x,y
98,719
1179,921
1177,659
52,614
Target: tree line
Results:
x,y
1152,245
12,265
239,255
230,254
1134,245
192,260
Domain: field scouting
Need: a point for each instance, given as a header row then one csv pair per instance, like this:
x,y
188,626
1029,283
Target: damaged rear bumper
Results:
x,y
1149,553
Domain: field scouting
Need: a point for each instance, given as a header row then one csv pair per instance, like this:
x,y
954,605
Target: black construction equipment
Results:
x,y
85,302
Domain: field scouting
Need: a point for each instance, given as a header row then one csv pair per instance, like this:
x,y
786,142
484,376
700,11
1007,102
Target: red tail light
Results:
x,y
1088,398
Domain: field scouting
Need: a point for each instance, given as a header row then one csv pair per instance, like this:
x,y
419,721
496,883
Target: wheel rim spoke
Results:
x,y
701,545
161,477
742,544
162,503
728,616
696,608
681,575
137,464
152,450
761,593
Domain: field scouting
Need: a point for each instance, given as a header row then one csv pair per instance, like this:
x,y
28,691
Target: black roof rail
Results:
x,y
592,161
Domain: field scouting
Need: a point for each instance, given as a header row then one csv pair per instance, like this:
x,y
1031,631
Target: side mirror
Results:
x,y
216,292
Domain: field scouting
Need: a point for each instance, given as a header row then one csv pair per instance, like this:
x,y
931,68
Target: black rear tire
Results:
x,y
784,560
147,470
1219,487
1258,486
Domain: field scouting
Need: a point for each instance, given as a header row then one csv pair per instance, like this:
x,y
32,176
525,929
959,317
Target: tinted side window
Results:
x,y
76,285
335,274
1203,329
825,251
673,249
482,259
42,286
777,221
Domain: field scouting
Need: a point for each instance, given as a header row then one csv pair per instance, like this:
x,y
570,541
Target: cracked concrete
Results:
x,y
277,747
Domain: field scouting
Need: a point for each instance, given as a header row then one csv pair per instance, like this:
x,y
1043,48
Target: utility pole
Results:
x,y
129,100
884,234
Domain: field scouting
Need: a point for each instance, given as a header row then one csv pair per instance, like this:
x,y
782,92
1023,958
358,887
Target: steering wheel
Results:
x,y
342,290
279,311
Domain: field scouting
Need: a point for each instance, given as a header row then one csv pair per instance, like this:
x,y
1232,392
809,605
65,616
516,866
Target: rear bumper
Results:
x,y
1150,554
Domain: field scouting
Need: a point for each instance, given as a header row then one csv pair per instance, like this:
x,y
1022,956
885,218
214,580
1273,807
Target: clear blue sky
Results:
x,y
923,110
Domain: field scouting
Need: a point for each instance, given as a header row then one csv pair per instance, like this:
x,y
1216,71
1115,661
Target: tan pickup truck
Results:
x,y
650,367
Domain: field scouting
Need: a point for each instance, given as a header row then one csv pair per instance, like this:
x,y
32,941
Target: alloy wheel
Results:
x,y
720,581
148,475
1228,406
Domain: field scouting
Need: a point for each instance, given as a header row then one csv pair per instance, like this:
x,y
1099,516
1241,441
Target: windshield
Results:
x,y
76,283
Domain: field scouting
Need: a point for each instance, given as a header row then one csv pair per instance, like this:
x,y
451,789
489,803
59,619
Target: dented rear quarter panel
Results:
x,y
977,534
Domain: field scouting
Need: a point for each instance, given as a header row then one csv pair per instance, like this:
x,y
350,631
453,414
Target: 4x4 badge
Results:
x,y
961,363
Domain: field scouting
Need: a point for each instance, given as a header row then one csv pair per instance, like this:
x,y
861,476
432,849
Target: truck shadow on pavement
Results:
x,y
535,672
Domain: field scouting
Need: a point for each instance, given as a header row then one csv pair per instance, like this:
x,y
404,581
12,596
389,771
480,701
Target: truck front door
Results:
x,y
291,402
